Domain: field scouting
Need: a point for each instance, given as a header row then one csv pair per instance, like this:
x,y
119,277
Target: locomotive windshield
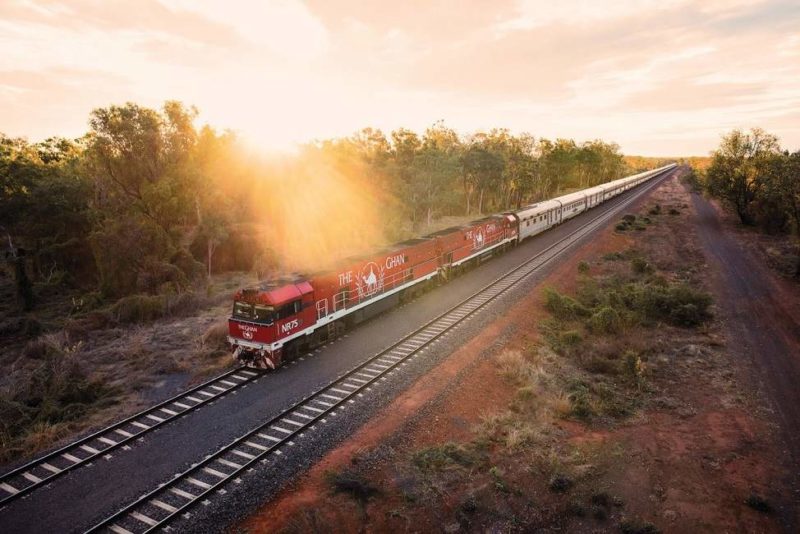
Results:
x,y
250,312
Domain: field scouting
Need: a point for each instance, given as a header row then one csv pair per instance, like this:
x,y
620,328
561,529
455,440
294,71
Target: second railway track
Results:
x,y
45,469
273,438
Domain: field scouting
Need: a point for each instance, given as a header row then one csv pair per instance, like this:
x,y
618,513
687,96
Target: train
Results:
x,y
280,317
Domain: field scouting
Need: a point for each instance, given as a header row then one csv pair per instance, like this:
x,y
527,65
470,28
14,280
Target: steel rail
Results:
x,y
43,470
174,497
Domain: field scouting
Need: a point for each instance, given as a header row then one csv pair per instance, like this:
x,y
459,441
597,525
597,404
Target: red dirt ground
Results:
x,y
685,469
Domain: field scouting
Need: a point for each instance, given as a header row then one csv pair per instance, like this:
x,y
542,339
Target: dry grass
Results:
x,y
515,367
216,335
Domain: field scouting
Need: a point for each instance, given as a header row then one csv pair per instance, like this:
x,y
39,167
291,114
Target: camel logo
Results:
x,y
247,331
370,280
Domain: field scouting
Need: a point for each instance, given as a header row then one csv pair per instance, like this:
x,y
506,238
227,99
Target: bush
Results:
x,y
583,267
190,267
641,266
580,404
352,484
605,321
655,210
759,504
571,338
562,306
629,218
560,483
448,455
678,305
636,526
139,308
601,366
621,227
634,367
673,211
183,303
57,390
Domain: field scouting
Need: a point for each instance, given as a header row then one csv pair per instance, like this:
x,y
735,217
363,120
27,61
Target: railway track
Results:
x,y
43,470
275,438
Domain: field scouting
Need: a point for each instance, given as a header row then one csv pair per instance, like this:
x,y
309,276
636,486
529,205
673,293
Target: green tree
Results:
x,y
739,169
481,169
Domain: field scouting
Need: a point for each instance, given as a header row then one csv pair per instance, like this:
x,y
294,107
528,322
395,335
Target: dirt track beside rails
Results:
x,y
686,462
761,312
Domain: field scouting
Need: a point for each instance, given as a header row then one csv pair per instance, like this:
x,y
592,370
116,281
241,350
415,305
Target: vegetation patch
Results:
x,y
352,484
58,391
445,456
759,504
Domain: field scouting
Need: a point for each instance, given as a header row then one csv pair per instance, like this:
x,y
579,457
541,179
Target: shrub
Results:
x,y
655,210
580,404
525,394
606,320
759,504
441,457
183,303
40,347
621,227
57,390
351,484
673,211
636,526
601,366
562,306
583,267
189,266
641,266
560,483
139,308
678,305
571,338
629,218
634,368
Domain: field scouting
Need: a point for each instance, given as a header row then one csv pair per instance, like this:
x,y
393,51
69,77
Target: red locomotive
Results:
x,y
287,314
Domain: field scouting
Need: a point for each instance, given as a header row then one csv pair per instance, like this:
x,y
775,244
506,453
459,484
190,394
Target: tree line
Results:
x,y
147,202
759,180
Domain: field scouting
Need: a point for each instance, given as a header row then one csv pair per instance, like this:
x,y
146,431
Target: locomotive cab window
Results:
x,y
242,310
288,310
264,314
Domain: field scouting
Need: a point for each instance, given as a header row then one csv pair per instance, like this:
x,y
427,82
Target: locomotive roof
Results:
x,y
281,280
445,231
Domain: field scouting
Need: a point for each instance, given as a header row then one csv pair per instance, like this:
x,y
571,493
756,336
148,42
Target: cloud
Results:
x,y
642,73
142,15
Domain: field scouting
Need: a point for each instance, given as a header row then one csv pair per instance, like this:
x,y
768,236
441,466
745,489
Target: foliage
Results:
x,y
759,180
142,199
444,456
58,390
740,167
352,484
759,503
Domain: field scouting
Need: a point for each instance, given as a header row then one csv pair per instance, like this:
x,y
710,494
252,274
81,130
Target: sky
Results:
x,y
659,77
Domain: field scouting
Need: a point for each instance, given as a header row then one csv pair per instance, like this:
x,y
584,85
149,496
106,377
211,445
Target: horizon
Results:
x,y
655,78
